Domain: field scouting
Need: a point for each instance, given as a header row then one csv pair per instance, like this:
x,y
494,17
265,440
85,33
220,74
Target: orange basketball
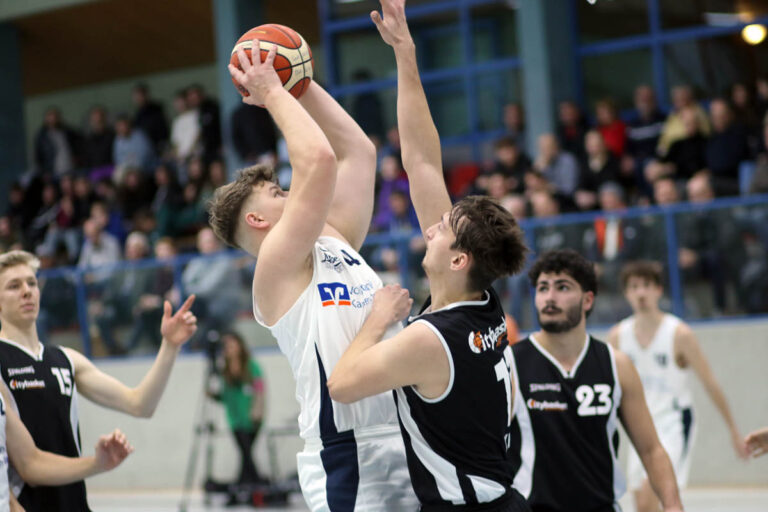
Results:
x,y
293,62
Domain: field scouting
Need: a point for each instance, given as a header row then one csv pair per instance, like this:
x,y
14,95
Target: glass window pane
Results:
x,y
494,90
616,75
608,20
686,13
448,104
353,8
711,66
58,321
494,31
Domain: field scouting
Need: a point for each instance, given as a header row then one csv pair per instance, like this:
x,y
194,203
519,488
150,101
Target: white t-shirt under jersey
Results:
x,y
322,322
667,390
5,496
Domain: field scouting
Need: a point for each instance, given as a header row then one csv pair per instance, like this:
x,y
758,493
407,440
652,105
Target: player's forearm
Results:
x,y
306,142
419,139
718,398
147,394
47,468
347,139
661,476
343,381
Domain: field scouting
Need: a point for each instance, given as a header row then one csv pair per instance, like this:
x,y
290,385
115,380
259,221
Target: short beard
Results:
x,y
572,319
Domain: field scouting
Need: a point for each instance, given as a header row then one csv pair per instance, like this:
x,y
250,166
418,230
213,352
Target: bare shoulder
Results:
x,y
613,336
274,293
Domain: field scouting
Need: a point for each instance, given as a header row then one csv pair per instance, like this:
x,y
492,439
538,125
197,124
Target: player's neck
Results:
x,y
444,296
649,318
24,336
564,346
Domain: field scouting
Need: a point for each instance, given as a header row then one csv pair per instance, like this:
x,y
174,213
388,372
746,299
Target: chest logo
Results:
x,y
661,359
334,294
26,370
546,405
494,337
331,261
22,385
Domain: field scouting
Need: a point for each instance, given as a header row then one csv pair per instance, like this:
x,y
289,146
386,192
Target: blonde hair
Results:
x,y
13,258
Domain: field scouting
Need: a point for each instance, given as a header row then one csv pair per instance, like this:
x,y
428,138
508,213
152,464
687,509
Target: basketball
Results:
x,y
293,62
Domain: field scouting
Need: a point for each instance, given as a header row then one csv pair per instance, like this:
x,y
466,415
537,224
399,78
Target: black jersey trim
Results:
x,y
556,363
448,388
25,349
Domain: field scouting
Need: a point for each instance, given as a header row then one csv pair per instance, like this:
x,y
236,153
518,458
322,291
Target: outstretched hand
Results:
x,y
757,442
111,450
259,78
393,27
177,329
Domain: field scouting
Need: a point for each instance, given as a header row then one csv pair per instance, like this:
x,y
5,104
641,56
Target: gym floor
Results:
x,y
695,500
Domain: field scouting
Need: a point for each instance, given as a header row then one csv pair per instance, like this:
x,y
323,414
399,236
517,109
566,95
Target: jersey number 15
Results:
x,y
65,380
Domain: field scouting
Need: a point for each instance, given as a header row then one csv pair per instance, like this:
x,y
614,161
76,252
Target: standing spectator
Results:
x,y
99,140
599,167
150,118
746,115
215,281
242,394
132,149
366,108
514,124
686,156
643,135
674,127
83,197
185,130
613,129
726,148
571,128
253,134
56,145
559,167
208,117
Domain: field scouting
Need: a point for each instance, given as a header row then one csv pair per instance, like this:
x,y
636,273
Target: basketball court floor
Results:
x,y
694,500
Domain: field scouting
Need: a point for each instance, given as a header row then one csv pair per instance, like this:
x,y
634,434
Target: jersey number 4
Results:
x,y
65,380
586,394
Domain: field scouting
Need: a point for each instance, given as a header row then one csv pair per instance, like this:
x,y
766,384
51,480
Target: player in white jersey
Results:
x,y
313,290
664,350
38,467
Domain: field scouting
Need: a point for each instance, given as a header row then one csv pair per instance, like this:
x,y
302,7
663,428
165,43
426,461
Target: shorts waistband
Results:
x,y
502,501
356,434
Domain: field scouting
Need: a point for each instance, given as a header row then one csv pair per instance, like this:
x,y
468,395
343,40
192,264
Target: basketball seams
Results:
x,y
286,34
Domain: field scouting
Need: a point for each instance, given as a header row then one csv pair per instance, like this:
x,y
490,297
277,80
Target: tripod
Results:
x,y
203,433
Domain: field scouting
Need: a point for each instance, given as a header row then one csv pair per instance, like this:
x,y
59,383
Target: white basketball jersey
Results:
x,y
666,386
317,330
5,496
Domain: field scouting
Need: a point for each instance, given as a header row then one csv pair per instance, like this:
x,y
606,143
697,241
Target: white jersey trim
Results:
x,y
450,363
444,473
566,374
619,483
454,305
38,357
523,479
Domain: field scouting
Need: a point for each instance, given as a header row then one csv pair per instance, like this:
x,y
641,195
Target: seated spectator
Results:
x,y
643,134
10,238
514,124
762,98
46,216
253,134
559,167
571,128
759,182
99,141
517,205
551,237
167,188
665,192
392,177
183,218
185,130
99,249
150,118
217,177
196,171
511,162
134,193
675,127
120,304
58,297
215,282
613,129
103,213
83,197
745,116
57,146
598,167
132,149
208,117
726,148
686,157
402,220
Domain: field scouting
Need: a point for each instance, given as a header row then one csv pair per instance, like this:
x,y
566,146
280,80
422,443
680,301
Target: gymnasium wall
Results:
x,y
737,351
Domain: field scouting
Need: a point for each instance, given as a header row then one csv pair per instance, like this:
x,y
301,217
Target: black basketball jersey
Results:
x,y
564,441
44,393
455,444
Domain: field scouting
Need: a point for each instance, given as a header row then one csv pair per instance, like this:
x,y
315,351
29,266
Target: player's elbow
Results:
x,y
341,390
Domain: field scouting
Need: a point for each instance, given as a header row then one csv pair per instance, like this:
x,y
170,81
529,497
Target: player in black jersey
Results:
x,y
38,467
572,390
450,367
44,380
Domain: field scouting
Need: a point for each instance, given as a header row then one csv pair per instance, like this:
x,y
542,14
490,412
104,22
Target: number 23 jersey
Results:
x,y
564,439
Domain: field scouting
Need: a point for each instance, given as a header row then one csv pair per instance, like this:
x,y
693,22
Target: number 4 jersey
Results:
x,y
44,393
564,441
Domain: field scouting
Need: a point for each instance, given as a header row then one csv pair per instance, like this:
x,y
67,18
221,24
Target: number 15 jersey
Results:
x,y
564,441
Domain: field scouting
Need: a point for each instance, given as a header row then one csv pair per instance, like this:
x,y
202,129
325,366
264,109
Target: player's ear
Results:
x,y
460,261
254,220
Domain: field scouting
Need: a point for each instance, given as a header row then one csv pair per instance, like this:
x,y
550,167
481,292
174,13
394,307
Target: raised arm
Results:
x,y
687,346
285,251
420,142
639,426
142,400
353,198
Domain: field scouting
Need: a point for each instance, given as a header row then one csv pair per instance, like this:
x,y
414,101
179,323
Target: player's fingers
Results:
x,y
167,309
187,304
376,19
270,60
242,57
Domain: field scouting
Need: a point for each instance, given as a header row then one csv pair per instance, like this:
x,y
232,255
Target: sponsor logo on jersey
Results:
x,y
334,294
26,384
21,371
544,405
330,261
480,341
546,386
